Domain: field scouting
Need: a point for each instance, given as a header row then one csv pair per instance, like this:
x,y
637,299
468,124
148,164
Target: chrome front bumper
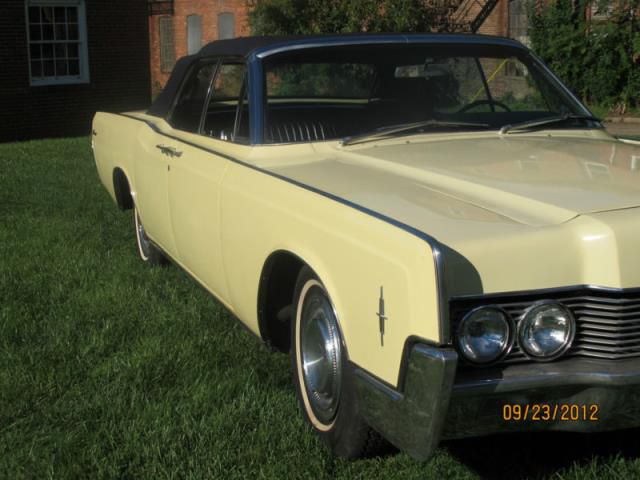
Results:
x,y
436,401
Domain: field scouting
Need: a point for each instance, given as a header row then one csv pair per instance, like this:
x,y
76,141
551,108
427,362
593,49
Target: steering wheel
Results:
x,y
483,102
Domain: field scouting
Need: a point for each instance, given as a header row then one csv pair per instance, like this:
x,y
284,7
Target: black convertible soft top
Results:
x,y
235,47
245,46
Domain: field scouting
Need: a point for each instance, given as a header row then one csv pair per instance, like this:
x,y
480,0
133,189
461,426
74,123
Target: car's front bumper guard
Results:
x,y
438,402
414,419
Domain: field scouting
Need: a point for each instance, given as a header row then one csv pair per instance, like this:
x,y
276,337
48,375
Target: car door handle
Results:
x,y
171,151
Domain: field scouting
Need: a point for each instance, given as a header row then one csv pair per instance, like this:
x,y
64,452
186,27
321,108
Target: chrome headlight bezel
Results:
x,y
527,318
506,346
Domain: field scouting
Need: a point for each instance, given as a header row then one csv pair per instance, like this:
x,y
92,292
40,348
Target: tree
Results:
x,y
297,17
598,59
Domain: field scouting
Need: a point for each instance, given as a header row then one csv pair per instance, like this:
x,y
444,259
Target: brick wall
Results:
x,y
118,49
209,11
497,23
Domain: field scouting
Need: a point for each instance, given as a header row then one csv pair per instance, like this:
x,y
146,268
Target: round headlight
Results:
x,y
484,335
546,331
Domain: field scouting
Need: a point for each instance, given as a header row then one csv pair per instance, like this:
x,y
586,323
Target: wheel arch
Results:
x,y
275,297
122,189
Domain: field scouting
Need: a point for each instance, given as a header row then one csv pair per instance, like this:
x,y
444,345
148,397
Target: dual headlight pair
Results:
x,y
486,334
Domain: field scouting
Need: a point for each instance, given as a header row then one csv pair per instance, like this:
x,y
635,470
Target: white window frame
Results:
x,y
83,53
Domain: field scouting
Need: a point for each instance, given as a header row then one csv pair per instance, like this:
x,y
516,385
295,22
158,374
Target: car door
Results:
x,y
196,176
150,189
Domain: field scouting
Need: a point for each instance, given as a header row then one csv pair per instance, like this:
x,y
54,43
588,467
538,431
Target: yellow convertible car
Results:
x,y
438,231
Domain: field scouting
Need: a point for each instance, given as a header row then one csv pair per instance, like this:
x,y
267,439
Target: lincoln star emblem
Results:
x,y
381,316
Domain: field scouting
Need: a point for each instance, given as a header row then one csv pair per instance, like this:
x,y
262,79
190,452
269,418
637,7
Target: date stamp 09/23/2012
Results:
x,y
549,412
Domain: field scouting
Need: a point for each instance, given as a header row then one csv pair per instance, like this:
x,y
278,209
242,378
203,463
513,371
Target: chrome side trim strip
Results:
x,y
436,246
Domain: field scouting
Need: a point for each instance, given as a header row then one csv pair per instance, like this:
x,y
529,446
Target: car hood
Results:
x,y
535,180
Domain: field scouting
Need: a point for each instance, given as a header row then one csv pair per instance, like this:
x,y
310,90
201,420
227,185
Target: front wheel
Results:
x,y
148,252
324,387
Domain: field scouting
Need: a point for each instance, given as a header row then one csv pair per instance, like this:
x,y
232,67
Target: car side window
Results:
x,y
227,95
187,112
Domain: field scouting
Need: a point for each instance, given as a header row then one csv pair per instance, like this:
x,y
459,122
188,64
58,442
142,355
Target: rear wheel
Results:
x,y
148,252
324,384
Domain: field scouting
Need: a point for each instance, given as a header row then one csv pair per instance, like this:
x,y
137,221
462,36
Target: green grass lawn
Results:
x,y
109,368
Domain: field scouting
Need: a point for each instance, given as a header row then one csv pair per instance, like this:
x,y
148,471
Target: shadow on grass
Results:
x,y
541,454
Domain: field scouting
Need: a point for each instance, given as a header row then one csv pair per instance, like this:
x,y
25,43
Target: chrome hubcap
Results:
x,y
321,355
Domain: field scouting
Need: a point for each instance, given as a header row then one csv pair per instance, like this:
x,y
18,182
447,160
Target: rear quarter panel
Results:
x,y
114,143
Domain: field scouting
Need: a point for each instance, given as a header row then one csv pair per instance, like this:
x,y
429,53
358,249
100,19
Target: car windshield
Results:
x,y
338,92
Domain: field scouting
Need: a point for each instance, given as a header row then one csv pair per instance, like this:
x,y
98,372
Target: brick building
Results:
x,y
506,18
62,60
181,27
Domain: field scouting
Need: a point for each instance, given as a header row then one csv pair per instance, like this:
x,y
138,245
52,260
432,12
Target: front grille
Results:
x,y
607,320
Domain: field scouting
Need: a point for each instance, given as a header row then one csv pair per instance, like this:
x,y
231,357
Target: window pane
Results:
x,y
515,88
35,51
36,68
47,32
188,110
61,50
243,127
329,80
223,106
61,31
59,14
167,48
61,68
35,33
194,33
48,68
54,36
47,15
72,50
47,51
73,32
228,82
72,14
226,25
74,67
34,14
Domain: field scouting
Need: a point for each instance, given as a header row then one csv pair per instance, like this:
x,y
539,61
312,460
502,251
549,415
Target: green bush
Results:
x,y
296,17
598,59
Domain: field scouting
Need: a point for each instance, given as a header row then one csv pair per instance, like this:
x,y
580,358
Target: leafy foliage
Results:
x,y
297,17
598,59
